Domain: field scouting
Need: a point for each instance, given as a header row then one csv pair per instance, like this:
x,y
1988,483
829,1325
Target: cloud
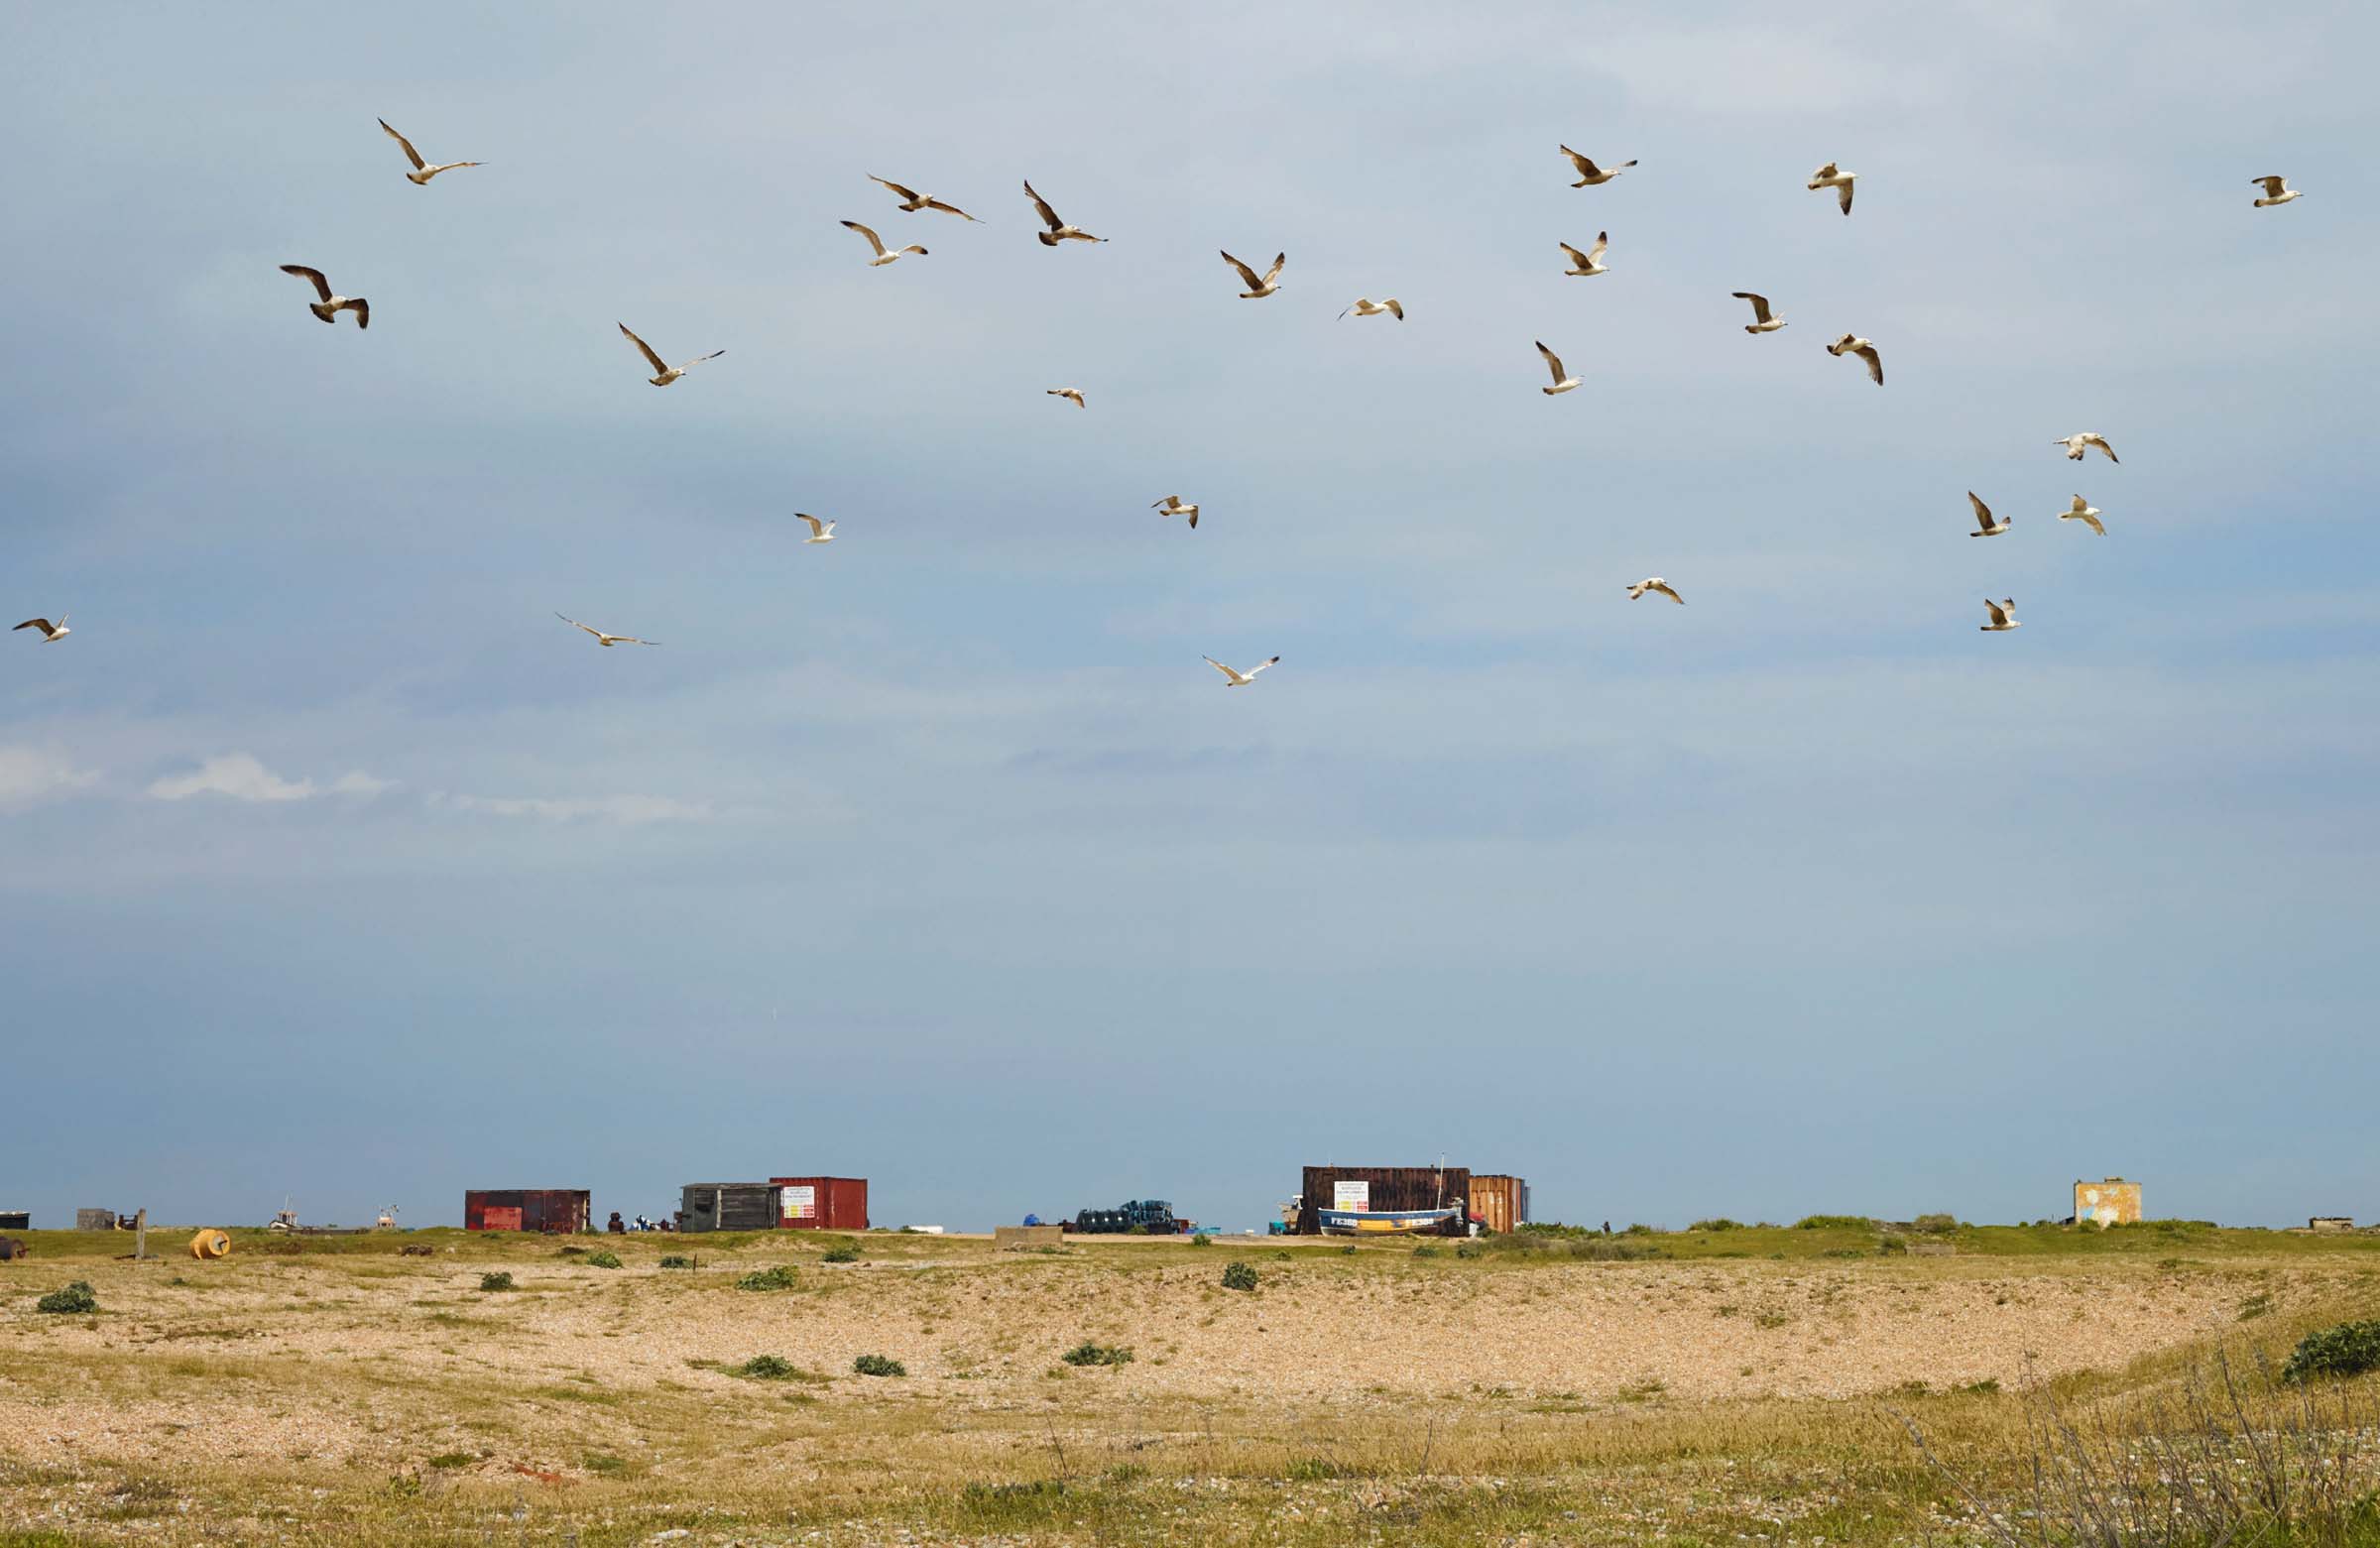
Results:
x,y
632,810
243,778
27,775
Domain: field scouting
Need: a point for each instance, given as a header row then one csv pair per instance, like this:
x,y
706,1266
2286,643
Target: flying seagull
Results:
x,y
1852,344
1258,288
329,307
2074,445
1172,505
1833,177
1563,381
883,257
1655,583
1591,262
1985,525
422,172
51,632
2003,615
1365,307
1763,321
2085,512
1589,172
1239,679
601,637
1073,395
820,531
913,201
1059,230
665,375
2276,192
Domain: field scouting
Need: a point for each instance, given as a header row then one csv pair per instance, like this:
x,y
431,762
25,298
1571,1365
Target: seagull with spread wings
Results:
x,y
1591,262
1764,321
2002,614
1987,526
1590,174
2085,512
1853,344
1563,379
1366,308
2276,192
820,531
422,172
601,637
51,632
1258,288
664,375
329,307
1655,583
1238,680
913,201
1073,395
2075,443
1172,505
1833,177
1059,230
883,257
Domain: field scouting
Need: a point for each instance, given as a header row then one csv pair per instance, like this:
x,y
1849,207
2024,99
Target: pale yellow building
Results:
x,y
2111,1201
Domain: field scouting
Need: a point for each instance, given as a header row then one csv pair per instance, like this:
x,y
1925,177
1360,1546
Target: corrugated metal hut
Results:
x,y
16,1219
1380,1188
552,1211
1500,1202
726,1206
821,1203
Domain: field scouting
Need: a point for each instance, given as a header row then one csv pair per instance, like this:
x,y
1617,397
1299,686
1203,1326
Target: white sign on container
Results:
x,y
1351,1195
798,1203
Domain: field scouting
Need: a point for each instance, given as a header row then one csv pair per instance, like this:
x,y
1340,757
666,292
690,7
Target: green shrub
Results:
x,y
878,1366
1887,1245
1936,1224
1239,1277
1201,1238
841,1253
1313,1470
763,1367
1717,1222
1834,1222
499,1280
675,1260
1638,1230
606,1258
1846,1251
1468,1249
74,1298
1425,1250
1349,1250
2350,1349
776,1276
1090,1354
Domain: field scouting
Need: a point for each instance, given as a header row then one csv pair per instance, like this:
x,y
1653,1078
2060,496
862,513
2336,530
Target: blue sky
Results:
x,y
338,868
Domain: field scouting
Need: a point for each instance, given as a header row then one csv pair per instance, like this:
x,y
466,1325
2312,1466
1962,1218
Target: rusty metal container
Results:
x,y
821,1203
1380,1188
551,1211
1497,1201
726,1206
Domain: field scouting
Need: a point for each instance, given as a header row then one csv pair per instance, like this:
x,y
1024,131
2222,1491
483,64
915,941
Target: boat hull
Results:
x,y
1384,1223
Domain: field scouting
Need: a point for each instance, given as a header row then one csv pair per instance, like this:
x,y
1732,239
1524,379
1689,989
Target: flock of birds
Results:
x,y
2000,615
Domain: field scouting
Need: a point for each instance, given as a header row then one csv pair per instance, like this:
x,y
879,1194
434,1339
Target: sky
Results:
x,y
339,869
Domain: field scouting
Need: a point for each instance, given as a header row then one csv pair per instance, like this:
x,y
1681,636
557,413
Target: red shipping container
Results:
x,y
547,1210
821,1203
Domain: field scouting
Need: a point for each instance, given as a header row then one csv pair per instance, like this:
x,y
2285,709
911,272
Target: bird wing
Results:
x,y
699,359
1576,257
362,310
1169,502
575,624
1219,666
1049,217
2090,519
411,153
1983,510
1274,272
950,209
1586,169
630,639
1396,308
41,623
303,273
873,241
1759,303
644,349
1828,171
1554,362
817,528
1603,241
1999,615
1669,591
909,194
1245,272
2272,186
1875,362
2100,441
1843,194
1261,665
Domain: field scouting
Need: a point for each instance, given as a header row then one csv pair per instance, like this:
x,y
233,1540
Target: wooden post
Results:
x,y
140,1236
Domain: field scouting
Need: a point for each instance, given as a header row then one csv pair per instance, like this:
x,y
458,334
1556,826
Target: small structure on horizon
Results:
x,y
2331,1223
2111,1201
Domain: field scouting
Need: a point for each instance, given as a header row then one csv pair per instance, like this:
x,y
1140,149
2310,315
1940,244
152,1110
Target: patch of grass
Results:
x,y
845,1253
878,1366
1848,1251
2350,1349
1201,1238
1425,1250
75,1298
674,1261
1989,1387
447,1462
606,1258
1892,1246
1935,1225
1090,1354
1239,1277
1717,1222
777,1276
1835,1222
602,1466
1643,1391
1313,1470
501,1279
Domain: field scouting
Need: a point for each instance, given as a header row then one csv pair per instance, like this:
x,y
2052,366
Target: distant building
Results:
x,y
2111,1201
2331,1223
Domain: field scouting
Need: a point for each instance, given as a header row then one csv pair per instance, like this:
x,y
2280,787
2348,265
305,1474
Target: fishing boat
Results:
x,y
1387,1223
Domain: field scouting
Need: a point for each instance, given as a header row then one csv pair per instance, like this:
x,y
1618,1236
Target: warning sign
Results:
x,y
798,1203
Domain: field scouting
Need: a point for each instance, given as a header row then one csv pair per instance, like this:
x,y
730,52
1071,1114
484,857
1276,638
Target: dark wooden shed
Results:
x,y
726,1206
1384,1188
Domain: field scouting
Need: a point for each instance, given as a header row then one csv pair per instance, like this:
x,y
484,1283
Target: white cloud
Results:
x,y
633,811
28,775
243,778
